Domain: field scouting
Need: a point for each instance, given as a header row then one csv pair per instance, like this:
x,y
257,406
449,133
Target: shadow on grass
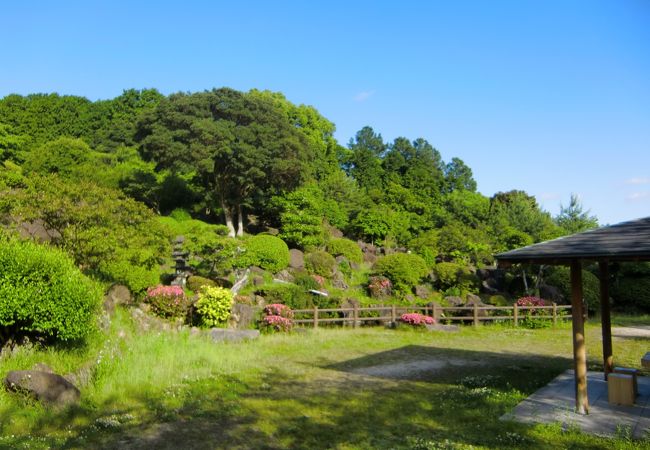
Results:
x,y
456,402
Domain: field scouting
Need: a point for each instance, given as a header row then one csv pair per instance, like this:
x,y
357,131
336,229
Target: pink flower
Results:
x,y
417,319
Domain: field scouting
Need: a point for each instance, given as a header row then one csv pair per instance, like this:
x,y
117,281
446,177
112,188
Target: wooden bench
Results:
x,y
620,389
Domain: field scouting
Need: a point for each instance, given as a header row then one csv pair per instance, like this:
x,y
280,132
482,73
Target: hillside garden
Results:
x,y
270,214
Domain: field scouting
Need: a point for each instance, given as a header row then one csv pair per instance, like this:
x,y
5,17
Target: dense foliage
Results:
x,y
561,278
268,252
43,293
402,269
214,305
345,247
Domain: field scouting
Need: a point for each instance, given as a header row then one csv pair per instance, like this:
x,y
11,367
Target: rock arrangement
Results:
x,y
44,385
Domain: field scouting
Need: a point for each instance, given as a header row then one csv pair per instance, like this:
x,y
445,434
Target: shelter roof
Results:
x,y
626,241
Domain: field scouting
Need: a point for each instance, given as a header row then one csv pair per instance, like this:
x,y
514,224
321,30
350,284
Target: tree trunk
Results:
x,y
227,214
240,221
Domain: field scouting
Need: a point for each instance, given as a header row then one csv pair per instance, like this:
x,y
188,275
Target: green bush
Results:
x,y
560,277
295,297
307,282
195,283
43,292
404,270
169,302
268,252
455,277
632,292
214,305
347,248
320,263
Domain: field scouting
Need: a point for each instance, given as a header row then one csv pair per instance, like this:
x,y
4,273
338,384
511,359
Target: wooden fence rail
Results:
x,y
355,316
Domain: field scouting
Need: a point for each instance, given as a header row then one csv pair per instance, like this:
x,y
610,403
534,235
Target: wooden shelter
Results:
x,y
623,242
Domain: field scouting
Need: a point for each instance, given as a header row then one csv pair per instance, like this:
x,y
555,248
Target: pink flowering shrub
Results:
x,y
277,317
530,301
168,301
417,319
276,323
278,309
529,320
380,287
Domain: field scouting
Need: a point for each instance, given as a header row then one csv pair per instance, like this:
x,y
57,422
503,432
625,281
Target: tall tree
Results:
x,y
241,148
574,219
364,163
458,176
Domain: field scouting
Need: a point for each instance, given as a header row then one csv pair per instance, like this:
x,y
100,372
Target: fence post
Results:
x,y
355,315
435,312
516,314
475,312
554,314
315,316
393,314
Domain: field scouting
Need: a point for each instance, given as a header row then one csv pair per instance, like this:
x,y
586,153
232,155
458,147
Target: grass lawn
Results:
x,y
329,388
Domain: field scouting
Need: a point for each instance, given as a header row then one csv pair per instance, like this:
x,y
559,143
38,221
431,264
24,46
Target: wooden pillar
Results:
x,y
579,349
605,318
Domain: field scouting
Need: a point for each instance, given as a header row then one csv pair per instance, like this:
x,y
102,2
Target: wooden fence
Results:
x,y
355,316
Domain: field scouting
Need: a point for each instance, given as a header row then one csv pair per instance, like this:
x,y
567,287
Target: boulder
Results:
x,y
243,316
296,259
473,300
422,291
284,275
229,335
551,293
257,280
118,294
489,286
338,280
46,387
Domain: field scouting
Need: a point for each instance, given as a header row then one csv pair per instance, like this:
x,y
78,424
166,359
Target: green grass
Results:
x,y
305,390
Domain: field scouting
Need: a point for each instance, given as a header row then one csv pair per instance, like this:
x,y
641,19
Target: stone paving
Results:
x,y
555,402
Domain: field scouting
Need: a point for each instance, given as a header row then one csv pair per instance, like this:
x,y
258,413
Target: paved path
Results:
x,y
555,402
635,331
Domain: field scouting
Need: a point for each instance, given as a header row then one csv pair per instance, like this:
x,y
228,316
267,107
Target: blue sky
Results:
x,y
550,97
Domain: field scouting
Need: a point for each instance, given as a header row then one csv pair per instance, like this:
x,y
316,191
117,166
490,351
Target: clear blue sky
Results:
x,y
551,97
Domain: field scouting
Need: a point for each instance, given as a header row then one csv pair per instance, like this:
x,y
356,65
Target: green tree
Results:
x,y
240,147
364,163
573,219
458,176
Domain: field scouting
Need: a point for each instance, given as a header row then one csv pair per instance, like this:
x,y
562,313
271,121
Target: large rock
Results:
x,y
338,280
285,275
423,291
454,301
229,335
243,315
551,293
475,300
118,294
296,259
46,387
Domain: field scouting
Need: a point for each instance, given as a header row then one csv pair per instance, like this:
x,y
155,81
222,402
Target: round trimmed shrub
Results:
x,y
214,305
404,270
450,275
268,252
195,282
560,277
320,263
347,248
42,291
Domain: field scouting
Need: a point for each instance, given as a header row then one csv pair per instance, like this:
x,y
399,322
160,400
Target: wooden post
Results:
x,y
554,313
579,348
355,315
605,318
475,313
315,316
393,314
515,314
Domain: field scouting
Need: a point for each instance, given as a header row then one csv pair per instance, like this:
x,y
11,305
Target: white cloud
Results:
x,y
638,180
363,96
638,195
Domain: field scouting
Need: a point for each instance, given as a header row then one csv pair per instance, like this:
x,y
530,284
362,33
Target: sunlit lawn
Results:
x,y
308,389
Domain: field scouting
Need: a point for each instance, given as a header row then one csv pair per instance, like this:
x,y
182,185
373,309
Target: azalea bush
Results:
x,y
277,317
530,320
214,305
169,302
417,319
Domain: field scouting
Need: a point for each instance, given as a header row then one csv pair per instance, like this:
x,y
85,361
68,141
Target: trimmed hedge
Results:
x,y
347,248
43,292
320,263
404,270
632,292
268,252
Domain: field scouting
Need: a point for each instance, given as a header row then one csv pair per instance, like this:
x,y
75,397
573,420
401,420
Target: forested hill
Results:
x,y
254,161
